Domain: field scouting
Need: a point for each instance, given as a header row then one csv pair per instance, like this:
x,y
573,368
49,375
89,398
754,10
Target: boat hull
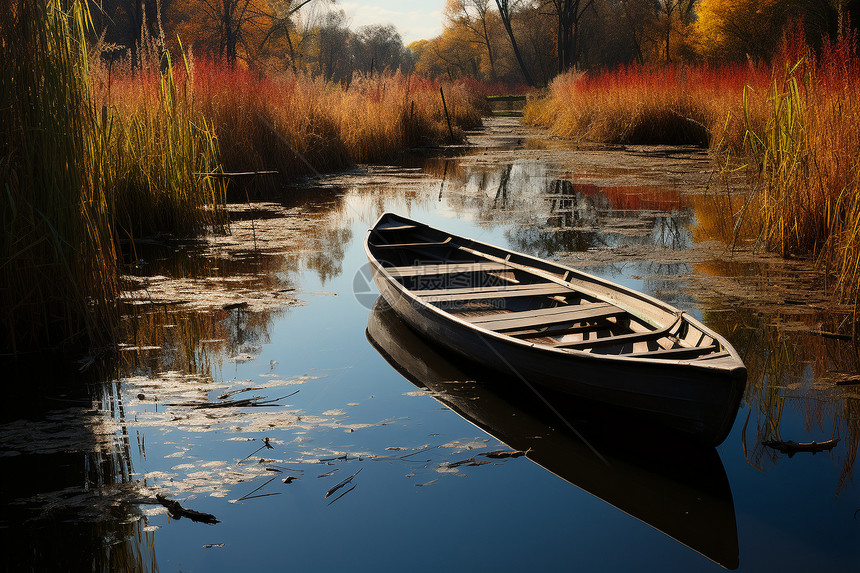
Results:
x,y
700,399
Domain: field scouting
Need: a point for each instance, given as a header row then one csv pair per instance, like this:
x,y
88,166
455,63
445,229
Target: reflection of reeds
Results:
x,y
793,371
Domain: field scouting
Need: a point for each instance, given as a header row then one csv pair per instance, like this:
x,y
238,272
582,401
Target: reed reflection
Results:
x,y
69,495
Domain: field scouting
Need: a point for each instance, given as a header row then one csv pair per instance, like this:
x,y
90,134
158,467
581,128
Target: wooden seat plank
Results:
x,y
619,338
493,292
395,227
610,340
444,269
411,245
548,316
675,353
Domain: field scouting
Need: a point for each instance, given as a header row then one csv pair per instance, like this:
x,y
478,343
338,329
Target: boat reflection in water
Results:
x,y
673,485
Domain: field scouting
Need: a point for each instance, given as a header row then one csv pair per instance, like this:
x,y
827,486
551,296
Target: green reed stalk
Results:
x,y
75,174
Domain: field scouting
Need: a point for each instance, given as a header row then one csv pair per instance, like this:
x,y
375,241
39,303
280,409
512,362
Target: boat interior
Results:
x,y
498,291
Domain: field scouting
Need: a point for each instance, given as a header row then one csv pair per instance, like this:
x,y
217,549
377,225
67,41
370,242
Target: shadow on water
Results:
x,y
69,499
672,485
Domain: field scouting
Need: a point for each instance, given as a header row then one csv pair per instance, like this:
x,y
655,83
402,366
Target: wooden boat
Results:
x,y
675,486
557,327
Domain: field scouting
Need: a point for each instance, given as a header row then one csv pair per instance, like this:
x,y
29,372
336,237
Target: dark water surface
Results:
x,y
353,394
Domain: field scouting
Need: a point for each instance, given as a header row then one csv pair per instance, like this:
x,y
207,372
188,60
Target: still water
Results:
x,y
325,436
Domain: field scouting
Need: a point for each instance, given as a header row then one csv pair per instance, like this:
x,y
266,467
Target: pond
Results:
x,y
260,382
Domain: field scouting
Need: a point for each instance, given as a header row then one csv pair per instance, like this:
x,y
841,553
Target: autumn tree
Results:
x,y
569,14
738,29
379,47
332,38
452,55
283,29
675,19
479,22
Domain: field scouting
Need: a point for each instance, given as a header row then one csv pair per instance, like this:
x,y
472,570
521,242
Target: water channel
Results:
x,y
260,383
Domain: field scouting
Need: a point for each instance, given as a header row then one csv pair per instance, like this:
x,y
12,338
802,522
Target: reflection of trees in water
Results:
x,y
672,231
547,242
793,371
327,260
584,216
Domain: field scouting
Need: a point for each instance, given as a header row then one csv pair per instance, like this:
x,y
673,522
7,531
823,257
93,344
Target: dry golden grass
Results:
x,y
300,124
696,105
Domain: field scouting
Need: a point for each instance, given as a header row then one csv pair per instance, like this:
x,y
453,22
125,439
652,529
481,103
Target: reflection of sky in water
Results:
x,y
405,513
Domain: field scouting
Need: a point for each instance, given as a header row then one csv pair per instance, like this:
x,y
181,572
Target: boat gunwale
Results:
x,y
559,352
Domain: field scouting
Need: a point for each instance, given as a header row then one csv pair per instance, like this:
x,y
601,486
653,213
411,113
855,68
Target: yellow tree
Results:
x,y
229,29
735,29
478,22
451,54
674,20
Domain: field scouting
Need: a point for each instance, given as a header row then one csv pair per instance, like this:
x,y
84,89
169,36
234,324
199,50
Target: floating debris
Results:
x,y
211,545
343,494
790,447
177,511
501,454
250,495
341,484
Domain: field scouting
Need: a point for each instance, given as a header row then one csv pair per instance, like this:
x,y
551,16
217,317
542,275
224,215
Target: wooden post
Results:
x,y
447,117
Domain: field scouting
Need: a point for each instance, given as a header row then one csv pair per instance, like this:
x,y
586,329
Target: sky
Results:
x,y
414,19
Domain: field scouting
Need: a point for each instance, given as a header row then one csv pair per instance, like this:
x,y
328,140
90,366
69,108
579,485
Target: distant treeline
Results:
x,y
512,41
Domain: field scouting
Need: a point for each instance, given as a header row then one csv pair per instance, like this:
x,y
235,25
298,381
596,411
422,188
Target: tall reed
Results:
x,y
807,188
77,172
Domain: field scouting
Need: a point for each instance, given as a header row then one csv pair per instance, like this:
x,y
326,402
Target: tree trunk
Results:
x,y
506,20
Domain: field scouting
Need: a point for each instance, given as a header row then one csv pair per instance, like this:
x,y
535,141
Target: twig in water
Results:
x,y
792,448
246,496
256,496
418,452
341,484
226,395
343,494
503,454
256,401
266,444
